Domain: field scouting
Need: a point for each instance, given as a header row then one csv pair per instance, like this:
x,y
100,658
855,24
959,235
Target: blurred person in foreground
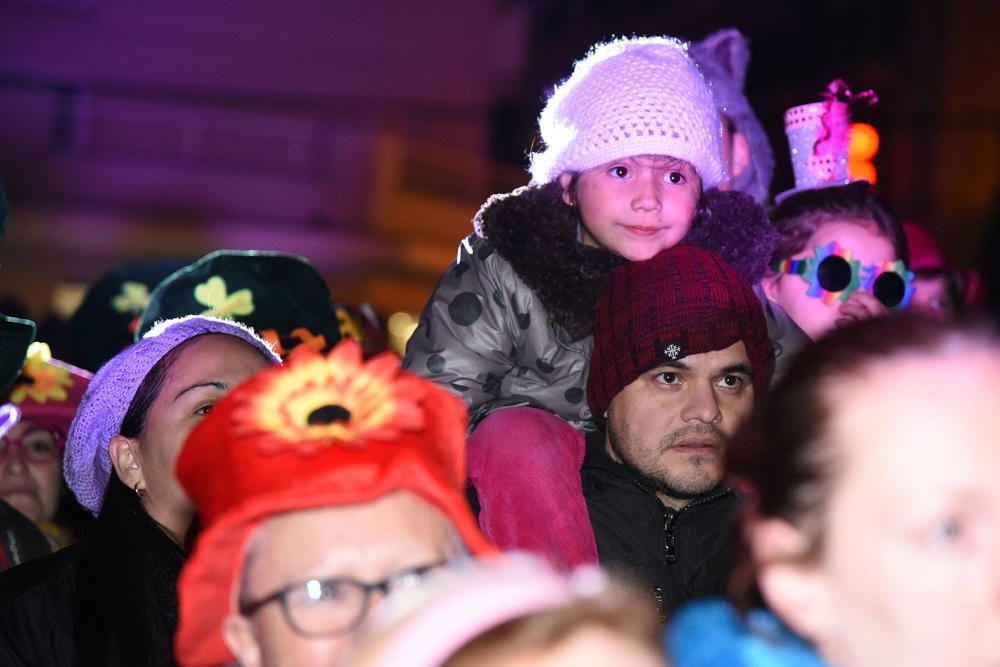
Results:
x,y
322,485
511,610
873,537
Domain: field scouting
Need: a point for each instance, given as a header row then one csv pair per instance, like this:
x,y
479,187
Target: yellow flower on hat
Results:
x,y
316,401
213,294
349,326
44,381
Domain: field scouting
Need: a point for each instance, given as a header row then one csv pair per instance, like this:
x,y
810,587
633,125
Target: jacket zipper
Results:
x,y
670,518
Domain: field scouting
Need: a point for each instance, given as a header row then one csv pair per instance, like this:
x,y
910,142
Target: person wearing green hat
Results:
x,y
20,540
281,296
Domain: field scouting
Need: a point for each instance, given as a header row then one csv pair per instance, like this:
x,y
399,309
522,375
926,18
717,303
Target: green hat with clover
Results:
x,y
15,334
15,337
107,319
281,296
3,213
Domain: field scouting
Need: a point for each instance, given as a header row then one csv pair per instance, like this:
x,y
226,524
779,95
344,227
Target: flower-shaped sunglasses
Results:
x,y
833,275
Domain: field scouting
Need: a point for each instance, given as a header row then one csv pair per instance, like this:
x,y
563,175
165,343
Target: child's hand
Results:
x,y
861,305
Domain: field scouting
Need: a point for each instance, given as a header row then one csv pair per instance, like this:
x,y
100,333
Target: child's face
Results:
x,y
811,314
637,206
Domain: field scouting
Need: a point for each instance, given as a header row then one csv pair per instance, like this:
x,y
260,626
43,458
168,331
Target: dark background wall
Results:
x,y
364,135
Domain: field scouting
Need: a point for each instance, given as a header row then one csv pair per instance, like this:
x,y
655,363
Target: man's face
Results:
x,y
672,424
367,542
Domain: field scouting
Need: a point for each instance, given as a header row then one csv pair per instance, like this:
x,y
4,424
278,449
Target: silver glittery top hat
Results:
x,y
819,136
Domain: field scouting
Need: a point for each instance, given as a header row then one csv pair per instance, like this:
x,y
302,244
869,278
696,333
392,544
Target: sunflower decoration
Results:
x,y
40,380
317,401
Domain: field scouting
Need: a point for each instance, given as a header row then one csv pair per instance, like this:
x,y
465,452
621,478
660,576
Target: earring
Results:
x,y
139,492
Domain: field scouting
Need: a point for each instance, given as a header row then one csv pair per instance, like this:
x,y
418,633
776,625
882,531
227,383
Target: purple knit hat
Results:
x,y
683,301
86,462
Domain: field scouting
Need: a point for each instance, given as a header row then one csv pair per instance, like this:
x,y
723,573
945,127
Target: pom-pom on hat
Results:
x,y
683,301
281,296
631,96
86,461
319,431
47,391
819,135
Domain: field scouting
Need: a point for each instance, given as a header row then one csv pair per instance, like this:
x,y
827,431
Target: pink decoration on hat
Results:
x,y
819,134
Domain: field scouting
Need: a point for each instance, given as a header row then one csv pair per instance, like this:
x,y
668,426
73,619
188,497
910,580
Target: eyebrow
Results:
x,y
679,365
221,386
745,369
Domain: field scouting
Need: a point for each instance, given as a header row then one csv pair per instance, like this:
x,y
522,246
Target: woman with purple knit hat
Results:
x,y
111,599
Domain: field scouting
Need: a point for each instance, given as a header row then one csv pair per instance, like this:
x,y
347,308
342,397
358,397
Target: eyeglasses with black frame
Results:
x,y
336,606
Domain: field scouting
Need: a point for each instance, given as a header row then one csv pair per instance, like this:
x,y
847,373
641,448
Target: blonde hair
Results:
x,y
617,609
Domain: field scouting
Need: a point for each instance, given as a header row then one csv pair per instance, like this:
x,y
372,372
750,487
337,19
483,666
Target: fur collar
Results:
x,y
536,232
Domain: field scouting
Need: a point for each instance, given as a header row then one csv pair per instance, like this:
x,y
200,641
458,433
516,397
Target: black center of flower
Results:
x,y
329,414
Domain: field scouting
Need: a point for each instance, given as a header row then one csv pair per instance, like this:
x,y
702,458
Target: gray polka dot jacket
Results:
x,y
510,322
488,337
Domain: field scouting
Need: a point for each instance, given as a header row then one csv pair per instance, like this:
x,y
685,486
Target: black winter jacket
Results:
x,y
108,600
680,555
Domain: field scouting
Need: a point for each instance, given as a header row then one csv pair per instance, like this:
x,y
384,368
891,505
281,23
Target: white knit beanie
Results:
x,y
631,96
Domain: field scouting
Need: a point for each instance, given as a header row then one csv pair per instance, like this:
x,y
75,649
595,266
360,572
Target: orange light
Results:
x,y
864,142
862,149
859,169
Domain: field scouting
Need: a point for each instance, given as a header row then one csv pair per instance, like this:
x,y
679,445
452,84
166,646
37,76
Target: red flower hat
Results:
x,y
319,431
47,391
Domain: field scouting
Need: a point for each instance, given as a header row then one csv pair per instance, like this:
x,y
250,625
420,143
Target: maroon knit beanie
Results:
x,y
683,301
